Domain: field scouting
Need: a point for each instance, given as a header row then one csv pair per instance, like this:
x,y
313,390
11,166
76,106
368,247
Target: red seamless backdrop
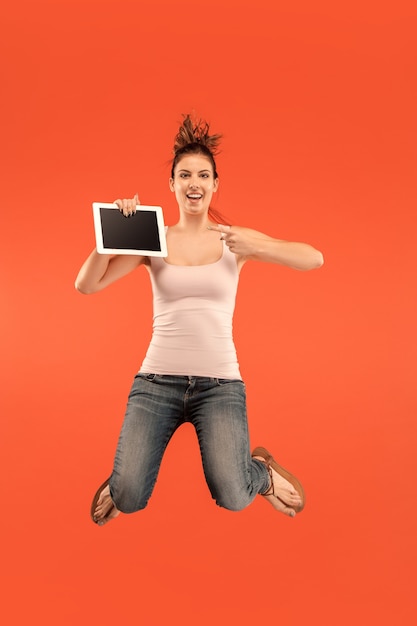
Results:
x,y
316,102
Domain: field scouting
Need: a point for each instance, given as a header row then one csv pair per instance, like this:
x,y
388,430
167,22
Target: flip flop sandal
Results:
x,y
270,462
94,504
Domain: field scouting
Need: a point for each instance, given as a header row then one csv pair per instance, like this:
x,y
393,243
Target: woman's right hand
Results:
x,y
128,206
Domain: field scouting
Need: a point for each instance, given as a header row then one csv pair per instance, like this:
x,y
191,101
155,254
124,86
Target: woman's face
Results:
x,y
194,183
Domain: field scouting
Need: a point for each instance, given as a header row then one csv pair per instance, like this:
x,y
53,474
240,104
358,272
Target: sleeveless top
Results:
x,y
193,309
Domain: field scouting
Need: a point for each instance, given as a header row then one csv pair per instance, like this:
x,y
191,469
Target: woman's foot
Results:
x,y
285,492
279,505
102,508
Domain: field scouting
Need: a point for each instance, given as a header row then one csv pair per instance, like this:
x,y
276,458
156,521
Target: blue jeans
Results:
x,y
157,406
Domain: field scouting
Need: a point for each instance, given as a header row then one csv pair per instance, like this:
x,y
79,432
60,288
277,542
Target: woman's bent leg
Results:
x,y
218,412
153,413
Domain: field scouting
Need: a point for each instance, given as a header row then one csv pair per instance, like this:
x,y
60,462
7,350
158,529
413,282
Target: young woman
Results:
x,y
190,372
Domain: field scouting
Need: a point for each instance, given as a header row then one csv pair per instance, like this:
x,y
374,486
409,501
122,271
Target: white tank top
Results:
x,y
192,318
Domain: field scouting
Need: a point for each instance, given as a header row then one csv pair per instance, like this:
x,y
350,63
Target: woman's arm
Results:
x,y
250,244
100,270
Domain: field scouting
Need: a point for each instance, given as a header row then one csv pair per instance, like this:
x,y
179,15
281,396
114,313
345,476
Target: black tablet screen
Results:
x,y
138,232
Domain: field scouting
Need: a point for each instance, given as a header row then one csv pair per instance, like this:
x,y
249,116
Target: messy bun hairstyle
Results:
x,y
193,137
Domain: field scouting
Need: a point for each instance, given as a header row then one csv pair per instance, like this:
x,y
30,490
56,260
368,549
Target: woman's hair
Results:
x,y
193,138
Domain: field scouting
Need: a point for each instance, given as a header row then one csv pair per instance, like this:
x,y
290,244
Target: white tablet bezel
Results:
x,y
163,252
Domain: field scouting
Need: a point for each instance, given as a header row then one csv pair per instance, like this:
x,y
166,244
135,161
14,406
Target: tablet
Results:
x,y
143,233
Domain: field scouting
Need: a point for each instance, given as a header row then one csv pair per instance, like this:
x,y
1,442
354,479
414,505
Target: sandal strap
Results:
x,y
270,491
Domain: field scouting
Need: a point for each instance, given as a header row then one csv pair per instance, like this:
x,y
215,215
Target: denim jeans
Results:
x,y
157,406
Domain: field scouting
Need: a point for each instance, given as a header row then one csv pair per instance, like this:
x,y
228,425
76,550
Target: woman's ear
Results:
x,y
215,185
171,184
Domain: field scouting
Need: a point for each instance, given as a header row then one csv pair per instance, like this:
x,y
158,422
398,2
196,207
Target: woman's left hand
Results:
x,y
240,240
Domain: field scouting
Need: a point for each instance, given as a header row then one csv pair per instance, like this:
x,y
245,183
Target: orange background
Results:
x,y
316,101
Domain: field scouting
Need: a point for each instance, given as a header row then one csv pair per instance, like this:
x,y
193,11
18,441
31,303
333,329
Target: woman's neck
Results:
x,y
193,223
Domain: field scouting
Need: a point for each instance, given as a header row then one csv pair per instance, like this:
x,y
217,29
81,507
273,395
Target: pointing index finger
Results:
x,y
219,228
